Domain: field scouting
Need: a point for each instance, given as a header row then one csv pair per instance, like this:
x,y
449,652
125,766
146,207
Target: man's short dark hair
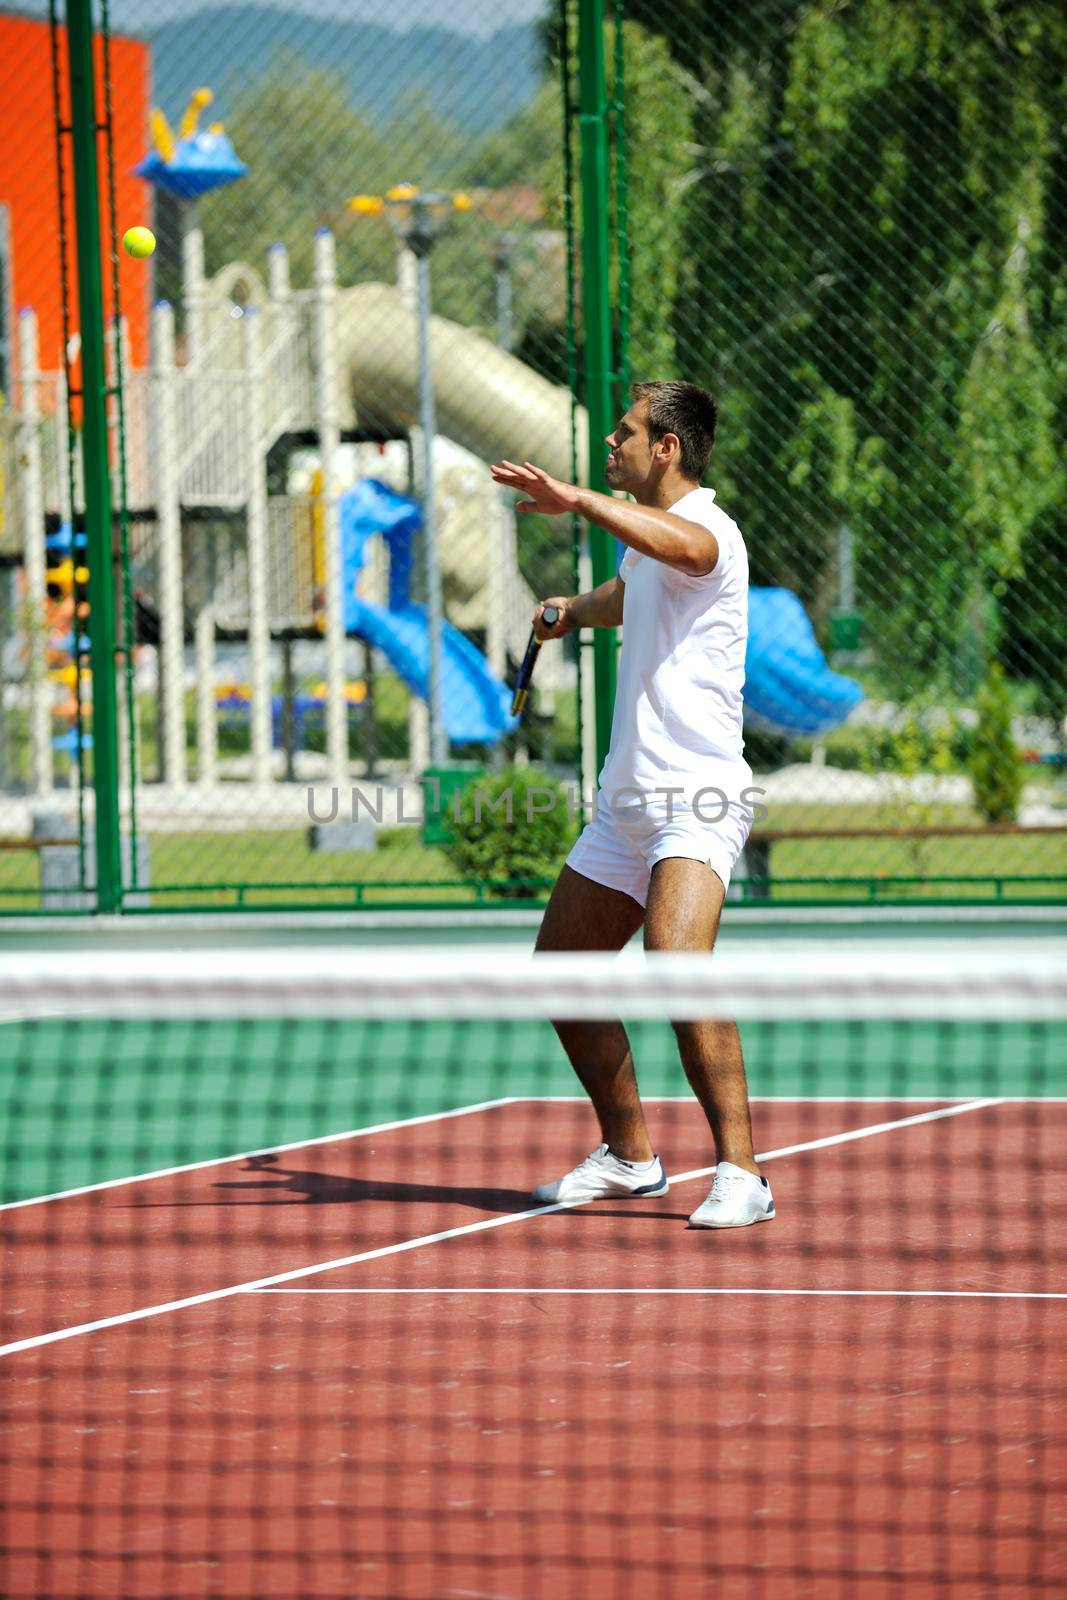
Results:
x,y
688,411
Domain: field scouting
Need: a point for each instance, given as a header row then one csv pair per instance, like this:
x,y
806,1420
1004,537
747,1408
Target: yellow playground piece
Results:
x,y
166,146
355,693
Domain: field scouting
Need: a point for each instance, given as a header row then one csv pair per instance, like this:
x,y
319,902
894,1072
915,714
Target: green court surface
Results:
x,y
86,1100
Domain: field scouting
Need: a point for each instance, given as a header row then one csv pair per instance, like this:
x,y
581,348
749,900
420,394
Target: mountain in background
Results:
x,y
478,83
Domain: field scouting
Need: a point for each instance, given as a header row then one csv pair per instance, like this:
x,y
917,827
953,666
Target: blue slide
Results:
x,y
477,705
788,685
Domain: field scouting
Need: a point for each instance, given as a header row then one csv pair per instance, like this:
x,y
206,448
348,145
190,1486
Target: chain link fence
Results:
x,y
848,222
322,600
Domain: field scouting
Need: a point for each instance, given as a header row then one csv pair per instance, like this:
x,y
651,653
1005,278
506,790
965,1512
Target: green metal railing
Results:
x,y
975,889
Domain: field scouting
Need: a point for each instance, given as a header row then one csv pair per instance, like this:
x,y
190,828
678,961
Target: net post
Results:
x,y
95,453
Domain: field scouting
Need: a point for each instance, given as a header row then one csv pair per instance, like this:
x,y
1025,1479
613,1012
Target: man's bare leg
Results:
x,y
583,915
684,904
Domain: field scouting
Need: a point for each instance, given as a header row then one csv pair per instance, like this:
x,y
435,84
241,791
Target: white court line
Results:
x,y
818,1099
786,1099
853,1294
268,1150
293,1275
511,1100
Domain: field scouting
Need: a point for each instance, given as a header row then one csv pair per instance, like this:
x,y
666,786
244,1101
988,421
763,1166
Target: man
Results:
x,y
673,812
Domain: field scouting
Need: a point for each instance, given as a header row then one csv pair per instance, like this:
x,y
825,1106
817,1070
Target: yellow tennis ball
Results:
x,y
139,242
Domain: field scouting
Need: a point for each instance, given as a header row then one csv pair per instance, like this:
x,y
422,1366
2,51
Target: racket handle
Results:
x,y
549,617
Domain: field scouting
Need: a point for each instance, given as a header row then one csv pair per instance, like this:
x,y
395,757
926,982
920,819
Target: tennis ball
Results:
x,y
139,242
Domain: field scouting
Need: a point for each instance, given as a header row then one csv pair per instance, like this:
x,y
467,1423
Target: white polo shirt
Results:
x,y
678,707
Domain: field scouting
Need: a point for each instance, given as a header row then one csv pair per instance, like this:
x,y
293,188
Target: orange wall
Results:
x,y
29,187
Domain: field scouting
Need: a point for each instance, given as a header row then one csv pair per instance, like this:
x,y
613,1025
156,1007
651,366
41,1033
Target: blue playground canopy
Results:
x,y
788,685
201,163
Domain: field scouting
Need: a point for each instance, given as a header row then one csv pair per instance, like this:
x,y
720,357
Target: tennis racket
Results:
x,y
549,616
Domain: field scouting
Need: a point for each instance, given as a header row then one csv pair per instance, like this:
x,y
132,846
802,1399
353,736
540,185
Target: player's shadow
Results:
x,y
287,1186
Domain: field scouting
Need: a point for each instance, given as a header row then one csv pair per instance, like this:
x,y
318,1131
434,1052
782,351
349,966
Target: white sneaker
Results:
x,y
602,1176
737,1198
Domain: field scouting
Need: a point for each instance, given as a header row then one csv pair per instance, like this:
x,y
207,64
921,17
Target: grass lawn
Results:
x,y
186,861
893,855
281,856
886,857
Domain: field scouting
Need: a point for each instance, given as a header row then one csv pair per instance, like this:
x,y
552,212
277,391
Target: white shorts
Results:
x,y
620,846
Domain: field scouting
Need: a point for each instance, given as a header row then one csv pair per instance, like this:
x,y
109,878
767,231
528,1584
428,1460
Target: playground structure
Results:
x,y
266,366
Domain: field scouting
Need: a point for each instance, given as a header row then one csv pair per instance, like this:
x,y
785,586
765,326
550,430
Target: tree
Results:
x,y
872,282
995,770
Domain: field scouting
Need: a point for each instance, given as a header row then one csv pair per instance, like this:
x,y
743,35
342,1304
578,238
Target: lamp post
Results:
x,y
418,220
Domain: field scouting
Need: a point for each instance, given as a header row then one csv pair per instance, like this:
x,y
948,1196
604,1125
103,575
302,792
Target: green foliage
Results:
x,y
872,283
1007,404
1033,644
919,742
995,769
308,151
514,830
659,129
524,149
911,755
658,132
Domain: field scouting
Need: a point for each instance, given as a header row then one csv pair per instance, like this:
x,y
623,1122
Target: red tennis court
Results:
x,y
394,1378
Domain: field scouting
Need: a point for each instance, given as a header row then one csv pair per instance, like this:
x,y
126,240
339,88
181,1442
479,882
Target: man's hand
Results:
x,y
547,495
564,624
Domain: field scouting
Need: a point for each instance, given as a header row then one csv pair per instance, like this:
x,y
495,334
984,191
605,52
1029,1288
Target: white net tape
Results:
x,y
905,982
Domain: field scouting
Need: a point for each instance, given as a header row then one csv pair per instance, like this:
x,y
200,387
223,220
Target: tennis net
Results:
x,y
281,1318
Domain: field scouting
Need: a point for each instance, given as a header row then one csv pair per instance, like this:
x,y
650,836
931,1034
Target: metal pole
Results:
x,y
258,582
502,269
431,569
327,417
846,569
95,454
36,557
169,528
596,304
192,279
207,722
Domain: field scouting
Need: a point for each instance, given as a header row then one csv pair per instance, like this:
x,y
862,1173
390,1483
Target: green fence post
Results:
x,y
596,309
95,454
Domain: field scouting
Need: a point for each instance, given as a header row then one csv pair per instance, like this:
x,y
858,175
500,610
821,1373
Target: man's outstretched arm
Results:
x,y
660,534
